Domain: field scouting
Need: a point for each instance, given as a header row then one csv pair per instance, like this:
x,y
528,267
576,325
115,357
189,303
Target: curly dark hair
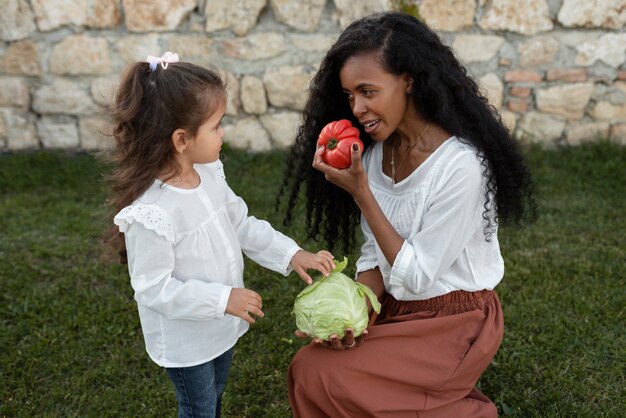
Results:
x,y
443,94
149,106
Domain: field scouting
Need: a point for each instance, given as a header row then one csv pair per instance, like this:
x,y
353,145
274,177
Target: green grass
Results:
x,y
71,344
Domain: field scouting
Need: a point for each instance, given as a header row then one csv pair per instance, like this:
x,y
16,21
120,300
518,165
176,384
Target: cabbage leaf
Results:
x,y
332,304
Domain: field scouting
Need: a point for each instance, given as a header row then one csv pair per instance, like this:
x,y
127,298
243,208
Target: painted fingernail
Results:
x,y
355,147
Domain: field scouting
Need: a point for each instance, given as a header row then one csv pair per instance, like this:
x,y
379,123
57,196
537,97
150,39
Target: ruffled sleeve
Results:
x,y
151,217
150,240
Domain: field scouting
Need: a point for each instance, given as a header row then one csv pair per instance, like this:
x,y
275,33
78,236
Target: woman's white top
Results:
x,y
438,210
184,257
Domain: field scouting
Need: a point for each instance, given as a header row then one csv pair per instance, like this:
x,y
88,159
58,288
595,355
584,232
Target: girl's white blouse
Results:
x,y
184,257
438,210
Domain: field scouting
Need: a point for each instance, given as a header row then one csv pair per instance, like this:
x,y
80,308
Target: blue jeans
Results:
x,y
199,388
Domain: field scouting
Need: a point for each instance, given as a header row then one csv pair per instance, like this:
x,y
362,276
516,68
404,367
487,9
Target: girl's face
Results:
x,y
378,99
206,145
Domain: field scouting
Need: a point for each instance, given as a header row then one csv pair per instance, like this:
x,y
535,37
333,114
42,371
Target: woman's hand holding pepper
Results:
x,y
352,179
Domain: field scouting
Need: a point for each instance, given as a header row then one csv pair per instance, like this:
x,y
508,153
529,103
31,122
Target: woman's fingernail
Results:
x,y
355,147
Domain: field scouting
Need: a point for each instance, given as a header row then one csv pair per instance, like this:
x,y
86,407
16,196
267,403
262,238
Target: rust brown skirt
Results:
x,y
420,359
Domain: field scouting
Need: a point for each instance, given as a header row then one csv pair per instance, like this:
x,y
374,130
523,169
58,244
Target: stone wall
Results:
x,y
555,69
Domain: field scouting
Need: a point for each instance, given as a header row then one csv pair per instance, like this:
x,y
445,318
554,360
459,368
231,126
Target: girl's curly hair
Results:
x,y
443,93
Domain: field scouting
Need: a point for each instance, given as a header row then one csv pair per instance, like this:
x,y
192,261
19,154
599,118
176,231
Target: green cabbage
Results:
x,y
332,304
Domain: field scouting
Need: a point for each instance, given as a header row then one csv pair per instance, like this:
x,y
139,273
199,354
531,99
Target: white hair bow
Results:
x,y
164,60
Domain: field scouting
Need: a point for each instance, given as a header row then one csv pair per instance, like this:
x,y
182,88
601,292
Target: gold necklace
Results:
x,y
393,160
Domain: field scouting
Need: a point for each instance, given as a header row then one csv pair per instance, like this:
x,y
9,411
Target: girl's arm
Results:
x,y
151,263
269,247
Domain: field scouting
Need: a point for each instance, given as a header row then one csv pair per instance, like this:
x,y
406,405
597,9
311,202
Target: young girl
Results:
x,y
182,229
438,174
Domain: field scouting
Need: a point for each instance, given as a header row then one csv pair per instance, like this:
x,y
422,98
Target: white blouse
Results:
x,y
184,257
438,210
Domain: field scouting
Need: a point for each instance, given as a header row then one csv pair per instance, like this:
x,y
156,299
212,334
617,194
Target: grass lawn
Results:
x,y
71,344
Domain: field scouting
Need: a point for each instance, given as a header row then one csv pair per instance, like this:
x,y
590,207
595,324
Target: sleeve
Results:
x,y
150,244
451,219
258,239
368,259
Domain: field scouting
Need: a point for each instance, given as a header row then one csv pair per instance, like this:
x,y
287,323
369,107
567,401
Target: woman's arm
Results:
x,y
374,280
354,181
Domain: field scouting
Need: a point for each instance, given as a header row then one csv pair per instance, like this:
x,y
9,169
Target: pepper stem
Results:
x,y
332,143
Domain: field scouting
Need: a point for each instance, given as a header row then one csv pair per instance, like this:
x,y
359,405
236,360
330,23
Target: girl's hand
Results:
x,y
349,340
243,302
322,261
352,179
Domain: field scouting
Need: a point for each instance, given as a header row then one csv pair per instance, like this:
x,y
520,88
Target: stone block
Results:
x,y
199,49
3,127
157,15
53,14
253,97
255,46
617,133
568,100
579,133
282,126
509,119
248,134
233,98
540,128
313,42
135,48
477,48
523,76
288,86
96,133
17,20
532,18
63,97
103,90
347,11
448,15
609,48
303,15
609,14
492,88
103,14
21,58
521,92
537,51
237,15
21,132
517,105
604,110
566,74
14,93
58,132
81,55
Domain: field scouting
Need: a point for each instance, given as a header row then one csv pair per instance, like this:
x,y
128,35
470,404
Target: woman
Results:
x,y
438,173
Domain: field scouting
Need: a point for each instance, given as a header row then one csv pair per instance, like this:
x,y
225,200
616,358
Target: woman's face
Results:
x,y
378,99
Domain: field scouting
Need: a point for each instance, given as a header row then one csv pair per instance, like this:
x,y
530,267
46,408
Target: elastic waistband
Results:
x,y
451,303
